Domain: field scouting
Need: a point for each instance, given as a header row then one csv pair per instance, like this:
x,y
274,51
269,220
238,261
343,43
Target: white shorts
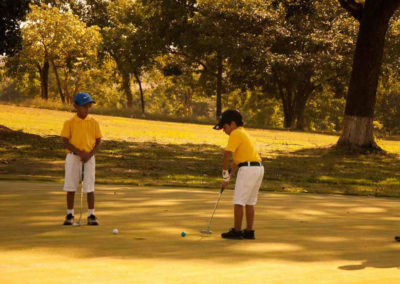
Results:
x,y
73,173
248,183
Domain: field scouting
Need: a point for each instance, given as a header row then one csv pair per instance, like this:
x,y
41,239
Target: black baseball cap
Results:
x,y
227,117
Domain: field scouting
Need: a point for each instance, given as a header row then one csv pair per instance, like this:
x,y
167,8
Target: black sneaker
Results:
x,y
69,219
92,220
249,234
232,234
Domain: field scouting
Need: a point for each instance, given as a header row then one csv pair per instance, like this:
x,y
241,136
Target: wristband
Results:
x,y
225,175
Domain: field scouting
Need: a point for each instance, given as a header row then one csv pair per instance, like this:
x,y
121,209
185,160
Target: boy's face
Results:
x,y
229,127
83,111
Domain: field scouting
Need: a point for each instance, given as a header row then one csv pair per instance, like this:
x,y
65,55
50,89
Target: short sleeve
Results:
x,y
233,142
66,130
97,131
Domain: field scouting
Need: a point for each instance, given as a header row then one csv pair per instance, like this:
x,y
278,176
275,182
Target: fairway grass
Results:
x,y
144,152
300,238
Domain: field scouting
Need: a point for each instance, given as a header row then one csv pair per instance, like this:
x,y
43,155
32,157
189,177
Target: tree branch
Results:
x,y
353,7
181,53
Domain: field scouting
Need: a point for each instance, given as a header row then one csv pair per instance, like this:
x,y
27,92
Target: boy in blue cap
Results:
x,y
249,175
81,137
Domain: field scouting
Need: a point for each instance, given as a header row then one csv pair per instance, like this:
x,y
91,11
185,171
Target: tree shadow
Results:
x,y
304,228
290,227
29,156
320,170
325,170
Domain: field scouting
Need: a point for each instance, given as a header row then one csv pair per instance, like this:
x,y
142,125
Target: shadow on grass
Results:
x,y
321,170
324,170
304,228
28,156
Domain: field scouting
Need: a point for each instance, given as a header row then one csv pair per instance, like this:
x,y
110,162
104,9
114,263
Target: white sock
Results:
x,y
90,212
70,211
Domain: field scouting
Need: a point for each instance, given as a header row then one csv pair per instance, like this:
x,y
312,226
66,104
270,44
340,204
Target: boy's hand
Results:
x,y
85,156
225,177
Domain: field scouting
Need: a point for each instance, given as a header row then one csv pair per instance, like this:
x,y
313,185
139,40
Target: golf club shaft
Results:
x,y
215,207
83,173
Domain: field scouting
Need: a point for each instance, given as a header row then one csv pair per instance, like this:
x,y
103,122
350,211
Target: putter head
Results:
x,y
76,224
208,232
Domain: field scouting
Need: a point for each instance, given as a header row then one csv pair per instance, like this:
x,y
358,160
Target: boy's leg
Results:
x,y
249,217
90,200
71,183
238,217
235,232
70,200
69,219
88,186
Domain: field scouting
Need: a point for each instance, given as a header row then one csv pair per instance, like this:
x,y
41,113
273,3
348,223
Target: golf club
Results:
x,y
80,213
208,231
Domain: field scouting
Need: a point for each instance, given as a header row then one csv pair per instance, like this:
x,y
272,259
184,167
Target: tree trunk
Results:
x,y
285,94
141,90
358,130
126,87
75,90
358,121
67,95
44,80
299,112
188,103
60,91
219,84
303,93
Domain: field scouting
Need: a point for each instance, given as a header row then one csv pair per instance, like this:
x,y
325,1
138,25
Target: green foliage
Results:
x,y
283,63
63,40
325,113
387,111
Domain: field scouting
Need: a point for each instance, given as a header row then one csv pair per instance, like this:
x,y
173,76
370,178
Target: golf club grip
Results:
x,y
83,170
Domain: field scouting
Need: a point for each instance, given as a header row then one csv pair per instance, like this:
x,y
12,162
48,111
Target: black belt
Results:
x,y
74,153
250,164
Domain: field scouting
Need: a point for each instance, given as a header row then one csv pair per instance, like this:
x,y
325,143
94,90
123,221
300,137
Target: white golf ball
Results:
x,y
115,231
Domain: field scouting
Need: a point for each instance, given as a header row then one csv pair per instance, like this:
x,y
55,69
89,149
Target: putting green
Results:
x,y
301,238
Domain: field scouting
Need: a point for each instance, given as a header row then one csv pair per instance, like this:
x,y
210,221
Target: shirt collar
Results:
x,y
80,119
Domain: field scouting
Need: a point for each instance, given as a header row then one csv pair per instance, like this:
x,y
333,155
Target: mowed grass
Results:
x,y
144,152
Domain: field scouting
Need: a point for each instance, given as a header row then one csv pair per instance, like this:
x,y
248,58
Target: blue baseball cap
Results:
x,y
82,99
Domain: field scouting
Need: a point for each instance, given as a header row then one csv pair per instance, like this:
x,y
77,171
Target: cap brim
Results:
x,y
217,127
82,104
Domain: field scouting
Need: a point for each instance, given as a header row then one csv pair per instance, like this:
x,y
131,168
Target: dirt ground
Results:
x,y
301,238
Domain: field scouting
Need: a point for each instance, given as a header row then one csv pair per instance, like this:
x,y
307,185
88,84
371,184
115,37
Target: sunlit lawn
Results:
x,y
144,152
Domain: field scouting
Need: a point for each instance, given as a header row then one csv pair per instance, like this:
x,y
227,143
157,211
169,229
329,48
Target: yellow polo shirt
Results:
x,y
82,133
242,147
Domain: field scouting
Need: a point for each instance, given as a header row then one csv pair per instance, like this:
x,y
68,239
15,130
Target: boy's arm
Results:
x,y
86,156
225,168
71,147
226,160
234,169
96,147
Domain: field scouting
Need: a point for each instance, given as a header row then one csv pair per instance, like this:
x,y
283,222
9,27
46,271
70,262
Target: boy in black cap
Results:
x,y
249,176
81,137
